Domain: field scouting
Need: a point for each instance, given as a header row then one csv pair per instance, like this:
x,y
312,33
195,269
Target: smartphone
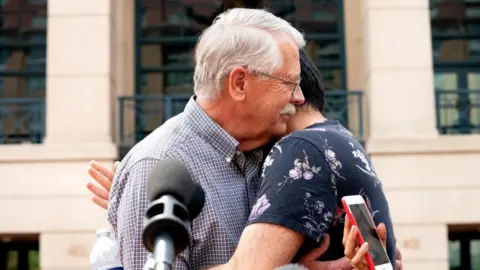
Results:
x,y
360,216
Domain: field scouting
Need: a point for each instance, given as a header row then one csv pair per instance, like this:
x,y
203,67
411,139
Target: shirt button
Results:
x,y
228,159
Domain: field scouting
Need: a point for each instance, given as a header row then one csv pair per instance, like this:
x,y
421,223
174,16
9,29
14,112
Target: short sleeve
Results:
x,y
297,189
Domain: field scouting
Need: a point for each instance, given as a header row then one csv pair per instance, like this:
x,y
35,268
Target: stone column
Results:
x,y
79,73
79,100
398,67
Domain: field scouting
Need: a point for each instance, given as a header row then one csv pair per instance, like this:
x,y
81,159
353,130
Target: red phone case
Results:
x,y
370,263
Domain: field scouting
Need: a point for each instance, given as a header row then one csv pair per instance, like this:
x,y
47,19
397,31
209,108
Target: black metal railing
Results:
x,y
22,120
458,111
141,114
346,106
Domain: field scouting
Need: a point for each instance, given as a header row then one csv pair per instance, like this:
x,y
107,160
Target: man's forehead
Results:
x,y
293,75
292,62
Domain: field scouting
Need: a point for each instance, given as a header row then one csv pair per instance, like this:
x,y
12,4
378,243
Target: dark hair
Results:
x,y
311,83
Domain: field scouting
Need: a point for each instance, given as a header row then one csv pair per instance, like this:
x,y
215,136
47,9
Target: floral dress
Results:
x,y
304,178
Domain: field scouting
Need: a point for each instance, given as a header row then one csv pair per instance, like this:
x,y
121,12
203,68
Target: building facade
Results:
x,y
83,80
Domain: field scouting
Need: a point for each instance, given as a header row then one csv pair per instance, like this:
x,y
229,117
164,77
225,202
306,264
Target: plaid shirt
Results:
x,y
229,177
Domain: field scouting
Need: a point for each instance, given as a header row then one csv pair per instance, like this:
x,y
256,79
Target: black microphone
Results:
x,y
175,200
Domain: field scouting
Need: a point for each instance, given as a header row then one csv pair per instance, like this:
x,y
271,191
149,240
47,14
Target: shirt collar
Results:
x,y
209,130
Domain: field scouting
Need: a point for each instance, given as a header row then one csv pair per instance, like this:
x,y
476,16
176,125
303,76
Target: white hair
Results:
x,y
239,37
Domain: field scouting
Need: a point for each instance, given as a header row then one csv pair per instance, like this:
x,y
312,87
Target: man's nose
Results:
x,y
297,97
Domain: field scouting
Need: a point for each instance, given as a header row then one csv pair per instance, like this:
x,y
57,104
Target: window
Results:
x,y
456,55
22,70
167,31
464,248
20,252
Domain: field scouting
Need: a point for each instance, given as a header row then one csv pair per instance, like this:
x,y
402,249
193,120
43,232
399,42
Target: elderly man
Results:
x,y
272,235
247,76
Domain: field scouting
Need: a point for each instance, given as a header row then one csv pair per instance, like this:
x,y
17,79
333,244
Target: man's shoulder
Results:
x,y
160,144
164,141
176,138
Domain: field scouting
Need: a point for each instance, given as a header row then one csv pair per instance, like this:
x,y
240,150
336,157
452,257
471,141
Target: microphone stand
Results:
x,y
150,264
163,254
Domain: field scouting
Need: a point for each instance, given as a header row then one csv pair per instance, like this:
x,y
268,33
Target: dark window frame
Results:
x,y
22,247
157,34
143,37
24,113
464,124
464,237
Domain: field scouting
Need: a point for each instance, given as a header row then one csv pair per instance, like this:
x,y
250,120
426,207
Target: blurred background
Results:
x,y
87,79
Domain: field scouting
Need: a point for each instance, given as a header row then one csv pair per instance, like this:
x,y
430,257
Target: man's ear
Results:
x,y
237,81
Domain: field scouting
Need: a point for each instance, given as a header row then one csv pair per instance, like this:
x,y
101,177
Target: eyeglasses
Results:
x,y
294,85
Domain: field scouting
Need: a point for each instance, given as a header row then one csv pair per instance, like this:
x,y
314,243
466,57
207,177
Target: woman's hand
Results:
x,y
357,255
104,177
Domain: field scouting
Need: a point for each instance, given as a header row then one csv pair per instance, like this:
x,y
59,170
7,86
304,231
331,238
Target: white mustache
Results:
x,y
289,109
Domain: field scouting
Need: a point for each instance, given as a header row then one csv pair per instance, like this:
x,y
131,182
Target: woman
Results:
x,y
355,254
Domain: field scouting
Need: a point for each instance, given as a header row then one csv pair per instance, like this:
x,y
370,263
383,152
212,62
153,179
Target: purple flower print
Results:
x,y
328,216
260,206
295,173
308,175
317,217
301,169
330,155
